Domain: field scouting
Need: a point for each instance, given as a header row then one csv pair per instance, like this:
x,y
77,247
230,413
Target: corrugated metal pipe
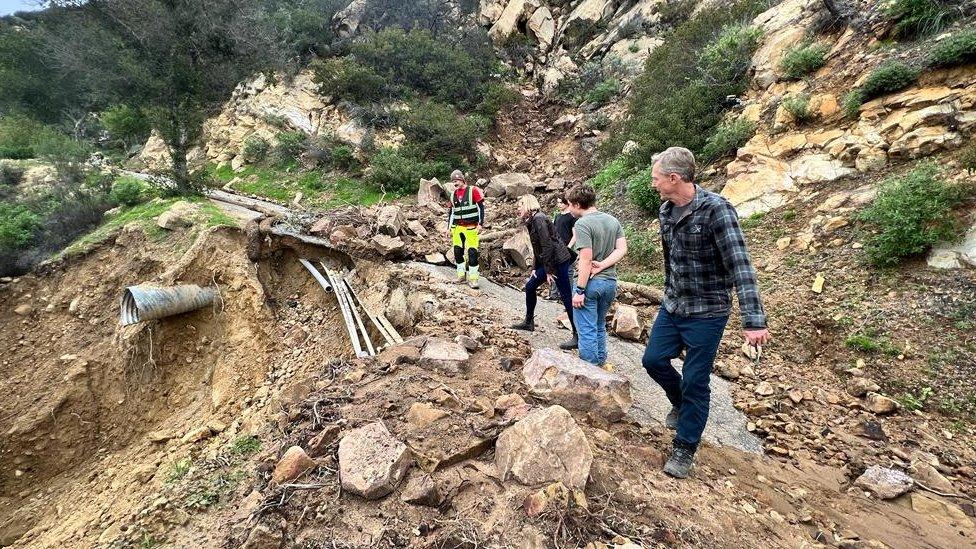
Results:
x,y
141,303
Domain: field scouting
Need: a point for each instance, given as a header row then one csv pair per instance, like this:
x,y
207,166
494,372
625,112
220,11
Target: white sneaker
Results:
x,y
475,284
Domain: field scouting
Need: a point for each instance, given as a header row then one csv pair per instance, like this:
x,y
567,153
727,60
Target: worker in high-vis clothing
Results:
x,y
465,218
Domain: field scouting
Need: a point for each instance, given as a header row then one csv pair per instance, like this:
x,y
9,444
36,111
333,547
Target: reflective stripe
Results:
x,y
465,209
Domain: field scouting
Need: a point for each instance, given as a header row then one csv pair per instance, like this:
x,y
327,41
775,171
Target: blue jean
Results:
x,y
562,282
688,391
591,320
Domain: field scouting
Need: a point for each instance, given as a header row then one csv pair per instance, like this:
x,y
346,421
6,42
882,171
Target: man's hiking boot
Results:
x,y
475,284
671,422
527,325
569,345
680,462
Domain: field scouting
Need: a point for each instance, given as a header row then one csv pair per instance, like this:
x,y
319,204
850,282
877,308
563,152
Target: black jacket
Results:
x,y
547,248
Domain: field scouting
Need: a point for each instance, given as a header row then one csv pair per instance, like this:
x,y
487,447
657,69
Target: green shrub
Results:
x,y
727,137
439,133
968,158
246,445
255,149
852,103
803,59
603,92
496,97
958,49
289,146
642,193
17,137
799,108
612,173
887,78
344,158
917,18
126,125
641,245
576,88
345,78
17,226
11,174
127,191
400,171
911,213
680,97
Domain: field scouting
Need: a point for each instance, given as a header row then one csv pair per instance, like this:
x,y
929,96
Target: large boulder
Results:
x,y
758,183
178,216
507,22
518,248
583,21
884,483
346,21
371,461
954,256
546,446
510,185
444,355
390,220
432,192
566,380
388,246
543,27
293,464
627,323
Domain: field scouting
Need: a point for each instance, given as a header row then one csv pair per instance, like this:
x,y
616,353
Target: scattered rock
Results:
x,y
422,414
546,446
576,384
263,537
293,464
371,461
626,322
389,221
884,483
939,510
320,443
446,356
388,246
518,248
765,388
880,404
436,258
871,430
198,434
422,490
24,309
400,354
397,311
552,497
178,216
417,228
860,386
469,343
510,185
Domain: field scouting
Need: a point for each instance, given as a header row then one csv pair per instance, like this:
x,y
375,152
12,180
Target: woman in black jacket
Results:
x,y
552,263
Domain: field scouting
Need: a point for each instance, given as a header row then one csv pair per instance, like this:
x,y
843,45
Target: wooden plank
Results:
x,y
347,316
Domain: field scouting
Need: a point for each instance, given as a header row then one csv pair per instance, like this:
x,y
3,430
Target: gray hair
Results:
x,y
678,160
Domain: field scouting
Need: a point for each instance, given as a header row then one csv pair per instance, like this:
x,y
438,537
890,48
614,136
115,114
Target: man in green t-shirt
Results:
x,y
601,244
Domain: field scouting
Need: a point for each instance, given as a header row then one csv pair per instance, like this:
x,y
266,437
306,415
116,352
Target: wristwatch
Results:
x,y
581,290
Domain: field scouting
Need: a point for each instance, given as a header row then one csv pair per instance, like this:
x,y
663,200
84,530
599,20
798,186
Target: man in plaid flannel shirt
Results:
x,y
705,255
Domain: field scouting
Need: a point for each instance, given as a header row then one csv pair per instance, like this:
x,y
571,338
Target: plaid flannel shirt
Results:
x,y
705,255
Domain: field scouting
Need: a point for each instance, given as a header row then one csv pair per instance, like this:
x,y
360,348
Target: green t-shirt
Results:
x,y
600,232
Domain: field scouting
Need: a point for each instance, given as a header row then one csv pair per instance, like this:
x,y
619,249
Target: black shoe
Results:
x,y
680,462
671,422
526,325
569,345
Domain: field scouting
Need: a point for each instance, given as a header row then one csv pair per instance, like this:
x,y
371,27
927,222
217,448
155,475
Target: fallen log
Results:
x,y
653,295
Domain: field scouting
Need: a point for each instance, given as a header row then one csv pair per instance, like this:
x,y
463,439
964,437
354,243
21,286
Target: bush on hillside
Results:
x,y
17,137
888,77
799,108
803,59
399,171
641,245
727,137
127,191
11,174
255,149
612,173
126,125
602,93
680,97
439,133
911,213
496,97
576,88
642,193
289,145
347,79
968,158
958,49
343,158
17,227
918,18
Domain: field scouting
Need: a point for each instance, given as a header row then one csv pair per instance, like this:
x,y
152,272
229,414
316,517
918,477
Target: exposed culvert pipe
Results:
x,y
141,303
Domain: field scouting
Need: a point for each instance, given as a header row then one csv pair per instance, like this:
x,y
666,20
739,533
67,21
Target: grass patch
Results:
x,y
246,445
803,59
799,108
912,401
179,470
870,342
655,279
752,221
918,18
318,188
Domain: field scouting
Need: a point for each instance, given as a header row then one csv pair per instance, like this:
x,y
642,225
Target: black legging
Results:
x,y
562,283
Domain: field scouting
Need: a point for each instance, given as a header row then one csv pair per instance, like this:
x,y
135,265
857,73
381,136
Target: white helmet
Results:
x,y
457,175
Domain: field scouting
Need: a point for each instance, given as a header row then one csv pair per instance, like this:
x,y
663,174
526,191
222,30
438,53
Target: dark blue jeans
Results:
x,y
562,283
689,391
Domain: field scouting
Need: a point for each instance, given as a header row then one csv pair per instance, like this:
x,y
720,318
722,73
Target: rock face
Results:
x,y
518,248
545,446
293,464
626,322
178,216
884,483
510,185
576,384
446,356
507,22
390,220
371,461
955,256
